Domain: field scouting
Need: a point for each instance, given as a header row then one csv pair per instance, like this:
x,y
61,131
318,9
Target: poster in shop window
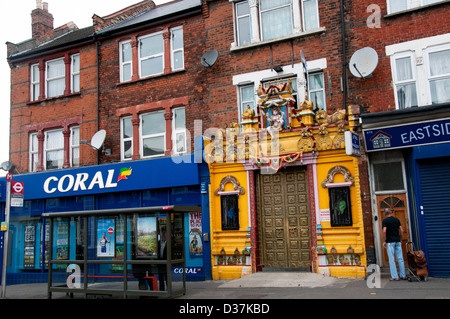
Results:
x,y
195,235
29,246
106,238
62,242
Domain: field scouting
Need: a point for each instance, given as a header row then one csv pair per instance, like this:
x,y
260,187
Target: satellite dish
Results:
x,y
363,62
97,140
6,166
209,58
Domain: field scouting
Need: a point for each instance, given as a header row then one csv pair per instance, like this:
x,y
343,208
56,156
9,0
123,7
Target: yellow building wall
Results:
x,y
343,242
226,263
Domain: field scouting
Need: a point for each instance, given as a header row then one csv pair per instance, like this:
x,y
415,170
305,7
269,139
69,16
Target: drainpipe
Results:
x,y
344,57
98,91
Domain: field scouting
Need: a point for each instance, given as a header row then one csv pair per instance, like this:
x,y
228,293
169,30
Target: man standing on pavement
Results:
x,y
392,234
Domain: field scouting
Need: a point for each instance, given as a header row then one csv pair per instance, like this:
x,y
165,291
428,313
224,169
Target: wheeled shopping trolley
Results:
x,y
417,263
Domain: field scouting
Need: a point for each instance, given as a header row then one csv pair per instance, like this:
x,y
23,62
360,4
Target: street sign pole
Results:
x,y
5,236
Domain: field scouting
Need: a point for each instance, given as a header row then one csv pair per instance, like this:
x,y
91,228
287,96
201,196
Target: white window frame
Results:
x,y
237,18
322,90
33,152
34,83
178,131
411,4
142,137
243,103
396,82
122,63
430,78
173,50
297,18
261,25
74,145
56,78
123,139
145,58
74,73
304,18
47,150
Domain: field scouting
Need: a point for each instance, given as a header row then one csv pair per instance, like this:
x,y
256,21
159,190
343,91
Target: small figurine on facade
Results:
x,y
276,121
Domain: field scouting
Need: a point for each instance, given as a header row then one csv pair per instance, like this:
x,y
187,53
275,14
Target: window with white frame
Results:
x,y
55,78
54,73
75,73
276,18
153,134
310,10
126,61
35,88
34,150
438,71
54,149
179,130
246,98
405,80
126,138
273,19
402,5
243,23
75,146
177,48
151,55
316,86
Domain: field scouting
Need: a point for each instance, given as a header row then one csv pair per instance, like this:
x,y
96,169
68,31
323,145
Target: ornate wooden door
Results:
x,y
397,203
284,220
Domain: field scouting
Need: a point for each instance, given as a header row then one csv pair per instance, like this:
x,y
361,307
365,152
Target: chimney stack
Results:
x,y
41,22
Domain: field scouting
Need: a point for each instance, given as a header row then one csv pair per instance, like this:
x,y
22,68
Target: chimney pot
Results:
x,y
38,4
45,6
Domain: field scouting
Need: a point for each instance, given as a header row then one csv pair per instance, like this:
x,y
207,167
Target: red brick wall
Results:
x,y
24,112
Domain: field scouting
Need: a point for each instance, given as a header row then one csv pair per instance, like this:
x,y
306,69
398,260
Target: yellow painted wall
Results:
x,y
342,237
228,240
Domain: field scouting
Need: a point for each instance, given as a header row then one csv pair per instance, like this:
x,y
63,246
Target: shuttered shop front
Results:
x,y
435,211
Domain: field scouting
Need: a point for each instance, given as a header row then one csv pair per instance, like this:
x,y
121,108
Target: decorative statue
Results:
x,y
276,121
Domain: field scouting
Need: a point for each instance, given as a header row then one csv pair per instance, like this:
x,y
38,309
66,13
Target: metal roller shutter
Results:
x,y
435,190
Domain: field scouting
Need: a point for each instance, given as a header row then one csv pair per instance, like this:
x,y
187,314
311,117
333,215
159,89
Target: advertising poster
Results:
x,y
29,244
147,241
195,235
106,237
62,242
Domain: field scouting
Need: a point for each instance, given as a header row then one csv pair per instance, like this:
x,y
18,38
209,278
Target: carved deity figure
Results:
x,y
276,121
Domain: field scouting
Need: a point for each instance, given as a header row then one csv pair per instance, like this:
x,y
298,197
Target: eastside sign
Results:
x,y
401,136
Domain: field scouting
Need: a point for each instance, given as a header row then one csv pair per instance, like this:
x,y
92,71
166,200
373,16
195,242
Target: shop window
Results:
x,y
230,212
340,206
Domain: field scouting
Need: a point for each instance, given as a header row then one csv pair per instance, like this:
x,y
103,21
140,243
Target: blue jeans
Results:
x,y
396,249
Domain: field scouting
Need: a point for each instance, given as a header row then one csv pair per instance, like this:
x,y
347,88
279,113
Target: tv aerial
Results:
x,y
209,58
363,62
97,140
